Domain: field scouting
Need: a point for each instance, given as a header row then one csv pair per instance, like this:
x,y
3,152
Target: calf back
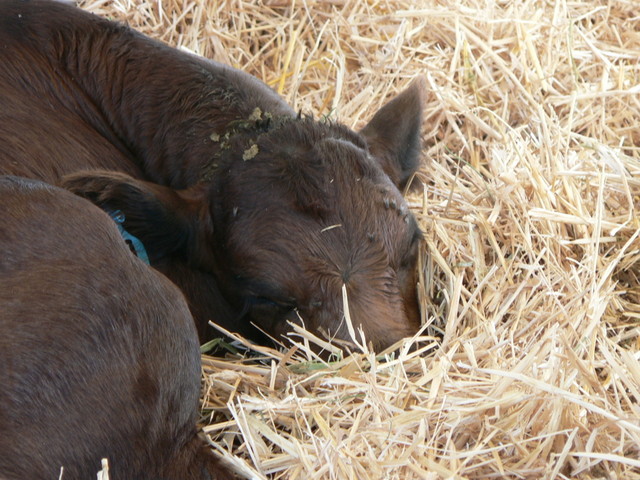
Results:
x,y
98,353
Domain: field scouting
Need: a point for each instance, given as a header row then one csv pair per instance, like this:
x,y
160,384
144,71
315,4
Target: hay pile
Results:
x,y
528,197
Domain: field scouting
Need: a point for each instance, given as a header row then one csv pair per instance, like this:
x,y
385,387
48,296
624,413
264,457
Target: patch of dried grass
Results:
x,y
530,266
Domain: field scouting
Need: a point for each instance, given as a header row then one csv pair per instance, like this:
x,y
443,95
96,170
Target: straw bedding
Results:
x,y
530,358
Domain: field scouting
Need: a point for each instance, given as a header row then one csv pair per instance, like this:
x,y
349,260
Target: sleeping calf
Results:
x,y
99,356
259,215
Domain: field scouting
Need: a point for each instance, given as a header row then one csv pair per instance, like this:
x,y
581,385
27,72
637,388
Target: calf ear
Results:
x,y
393,134
159,216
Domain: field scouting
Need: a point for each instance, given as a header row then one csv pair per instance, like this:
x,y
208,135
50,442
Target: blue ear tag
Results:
x,y
134,243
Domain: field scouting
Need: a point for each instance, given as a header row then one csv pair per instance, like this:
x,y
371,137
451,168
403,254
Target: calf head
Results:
x,y
288,213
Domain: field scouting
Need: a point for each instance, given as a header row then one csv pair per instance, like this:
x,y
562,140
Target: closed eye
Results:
x,y
258,301
267,313
259,293
410,253
416,238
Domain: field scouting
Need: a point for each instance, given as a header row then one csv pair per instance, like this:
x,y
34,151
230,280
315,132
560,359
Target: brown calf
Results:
x,y
99,356
259,215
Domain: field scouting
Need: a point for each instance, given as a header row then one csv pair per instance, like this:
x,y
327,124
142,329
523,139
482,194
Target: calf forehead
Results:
x,y
366,234
299,200
312,201
318,170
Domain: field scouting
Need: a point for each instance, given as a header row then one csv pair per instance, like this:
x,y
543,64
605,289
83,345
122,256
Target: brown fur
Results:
x,y
235,197
98,352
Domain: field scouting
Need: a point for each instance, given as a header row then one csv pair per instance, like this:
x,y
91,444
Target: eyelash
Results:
x,y
265,301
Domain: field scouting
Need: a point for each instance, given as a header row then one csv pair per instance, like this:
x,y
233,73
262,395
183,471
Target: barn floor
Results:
x,y
528,198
